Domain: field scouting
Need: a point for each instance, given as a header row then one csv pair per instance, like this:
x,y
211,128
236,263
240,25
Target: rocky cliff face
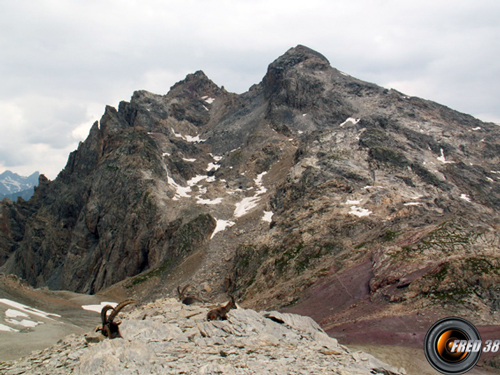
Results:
x,y
313,190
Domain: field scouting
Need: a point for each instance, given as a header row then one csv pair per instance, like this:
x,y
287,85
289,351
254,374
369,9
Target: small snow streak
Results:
x,y
196,179
359,212
465,197
268,216
25,322
221,226
212,167
188,138
348,202
209,201
10,313
181,192
442,159
216,157
352,120
5,328
246,204
98,308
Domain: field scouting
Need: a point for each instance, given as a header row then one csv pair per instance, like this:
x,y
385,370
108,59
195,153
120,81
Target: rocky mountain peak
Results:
x,y
298,55
194,86
296,61
302,82
293,74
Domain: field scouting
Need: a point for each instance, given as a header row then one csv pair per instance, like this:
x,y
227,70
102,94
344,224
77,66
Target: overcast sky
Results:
x,y
62,61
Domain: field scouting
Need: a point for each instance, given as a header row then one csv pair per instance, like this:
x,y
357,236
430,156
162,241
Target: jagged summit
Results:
x,y
297,67
194,86
297,55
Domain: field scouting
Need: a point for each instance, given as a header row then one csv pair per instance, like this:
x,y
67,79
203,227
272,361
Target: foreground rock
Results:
x,y
166,337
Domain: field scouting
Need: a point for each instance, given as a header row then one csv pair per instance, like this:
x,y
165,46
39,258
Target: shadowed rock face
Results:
x,y
355,177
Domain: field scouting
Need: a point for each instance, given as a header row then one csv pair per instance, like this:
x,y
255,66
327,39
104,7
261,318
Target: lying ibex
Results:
x,y
109,328
187,299
220,313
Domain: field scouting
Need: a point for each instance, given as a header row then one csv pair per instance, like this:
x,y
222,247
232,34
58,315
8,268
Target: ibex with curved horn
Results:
x,y
109,328
220,313
186,299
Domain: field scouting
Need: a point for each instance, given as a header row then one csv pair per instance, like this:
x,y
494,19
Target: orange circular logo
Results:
x,y
452,346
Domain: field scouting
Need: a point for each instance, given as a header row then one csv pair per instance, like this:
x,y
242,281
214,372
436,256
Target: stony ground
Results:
x,y
170,338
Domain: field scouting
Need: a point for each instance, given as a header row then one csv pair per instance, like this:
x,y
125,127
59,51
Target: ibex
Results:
x,y
187,299
109,328
220,313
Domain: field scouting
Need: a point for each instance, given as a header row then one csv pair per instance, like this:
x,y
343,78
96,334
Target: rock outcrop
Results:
x,y
168,337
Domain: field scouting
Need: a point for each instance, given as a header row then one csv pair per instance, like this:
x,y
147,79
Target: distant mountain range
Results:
x,y
13,185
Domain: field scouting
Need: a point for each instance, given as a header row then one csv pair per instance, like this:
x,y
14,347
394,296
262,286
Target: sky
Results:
x,y
62,62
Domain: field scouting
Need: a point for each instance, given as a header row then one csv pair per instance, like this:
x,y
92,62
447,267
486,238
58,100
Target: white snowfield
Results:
x,y
221,226
18,315
24,312
27,309
5,328
246,204
98,308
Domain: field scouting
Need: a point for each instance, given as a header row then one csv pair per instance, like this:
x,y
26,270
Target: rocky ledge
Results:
x,y
166,337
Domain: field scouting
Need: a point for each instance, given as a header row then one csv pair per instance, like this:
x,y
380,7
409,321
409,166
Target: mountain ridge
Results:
x,y
178,188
